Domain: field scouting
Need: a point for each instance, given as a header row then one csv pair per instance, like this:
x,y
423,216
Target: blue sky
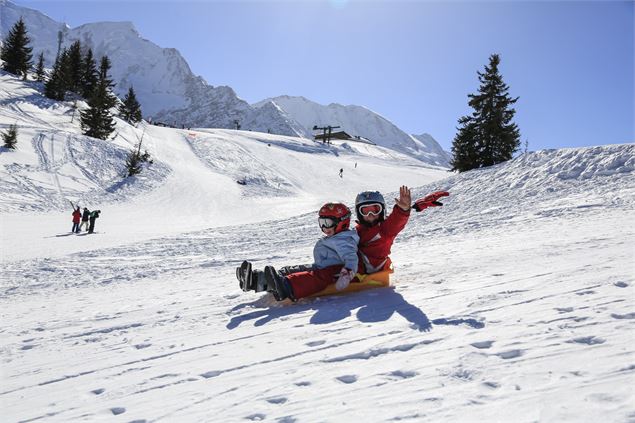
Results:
x,y
413,62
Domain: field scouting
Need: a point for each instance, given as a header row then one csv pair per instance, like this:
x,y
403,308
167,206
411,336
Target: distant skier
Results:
x,y
93,215
335,258
85,217
341,172
77,215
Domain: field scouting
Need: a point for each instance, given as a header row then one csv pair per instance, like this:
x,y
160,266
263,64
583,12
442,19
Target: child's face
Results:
x,y
371,218
328,231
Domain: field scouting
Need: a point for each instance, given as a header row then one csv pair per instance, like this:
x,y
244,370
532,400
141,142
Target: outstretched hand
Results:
x,y
430,200
404,199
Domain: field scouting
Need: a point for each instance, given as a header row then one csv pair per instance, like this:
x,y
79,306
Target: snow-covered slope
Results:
x,y
357,120
513,302
192,181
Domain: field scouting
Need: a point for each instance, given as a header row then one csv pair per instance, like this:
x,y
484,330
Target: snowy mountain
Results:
x,y
170,93
515,301
357,120
164,83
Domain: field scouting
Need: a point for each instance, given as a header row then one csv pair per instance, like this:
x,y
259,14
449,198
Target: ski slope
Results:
x,y
513,302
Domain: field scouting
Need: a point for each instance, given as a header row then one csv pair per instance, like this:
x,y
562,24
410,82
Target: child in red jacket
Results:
x,y
378,232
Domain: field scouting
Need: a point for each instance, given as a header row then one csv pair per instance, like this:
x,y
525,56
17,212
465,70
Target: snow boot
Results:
x,y
278,285
258,281
243,274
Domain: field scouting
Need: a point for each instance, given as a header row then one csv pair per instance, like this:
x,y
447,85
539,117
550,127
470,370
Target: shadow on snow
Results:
x,y
375,305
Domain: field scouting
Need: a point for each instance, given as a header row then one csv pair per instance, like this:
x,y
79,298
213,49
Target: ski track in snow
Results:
x,y
513,302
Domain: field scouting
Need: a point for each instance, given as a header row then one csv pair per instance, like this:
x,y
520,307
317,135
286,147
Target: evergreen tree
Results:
x,y
130,109
15,51
73,67
10,137
488,136
110,100
97,121
89,74
464,149
55,87
135,159
39,68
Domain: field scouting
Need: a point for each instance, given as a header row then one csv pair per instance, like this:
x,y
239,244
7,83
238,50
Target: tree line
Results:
x,y
74,72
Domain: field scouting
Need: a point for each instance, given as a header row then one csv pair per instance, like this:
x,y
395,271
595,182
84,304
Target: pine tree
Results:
x,y
133,163
15,51
10,137
39,68
89,74
73,67
110,100
135,159
130,109
55,87
97,121
464,150
488,136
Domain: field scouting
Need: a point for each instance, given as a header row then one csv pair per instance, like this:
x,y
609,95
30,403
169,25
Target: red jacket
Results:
x,y
77,215
375,241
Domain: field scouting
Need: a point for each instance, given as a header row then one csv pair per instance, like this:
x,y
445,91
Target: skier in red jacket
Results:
x,y
77,215
378,232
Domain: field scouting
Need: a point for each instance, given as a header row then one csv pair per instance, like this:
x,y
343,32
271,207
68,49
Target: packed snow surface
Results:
x,y
512,302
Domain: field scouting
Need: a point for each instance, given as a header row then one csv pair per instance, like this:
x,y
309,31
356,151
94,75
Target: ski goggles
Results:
x,y
327,222
374,209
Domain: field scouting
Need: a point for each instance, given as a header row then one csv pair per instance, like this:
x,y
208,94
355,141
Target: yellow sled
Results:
x,y
380,279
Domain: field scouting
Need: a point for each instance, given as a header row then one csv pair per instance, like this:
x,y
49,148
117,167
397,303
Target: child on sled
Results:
x,y
335,261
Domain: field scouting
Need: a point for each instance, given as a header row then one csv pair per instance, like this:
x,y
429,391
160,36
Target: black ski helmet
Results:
x,y
369,197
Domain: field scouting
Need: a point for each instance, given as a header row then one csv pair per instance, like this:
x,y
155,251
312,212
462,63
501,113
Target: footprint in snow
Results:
x,y
347,378
506,355
623,316
315,343
256,417
483,345
493,385
303,383
98,391
118,410
403,374
142,346
621,284
564,309
585,292
27,347
277,400
587,340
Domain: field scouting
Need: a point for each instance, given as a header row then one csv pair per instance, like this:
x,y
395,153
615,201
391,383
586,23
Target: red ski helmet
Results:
x,y
336,215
